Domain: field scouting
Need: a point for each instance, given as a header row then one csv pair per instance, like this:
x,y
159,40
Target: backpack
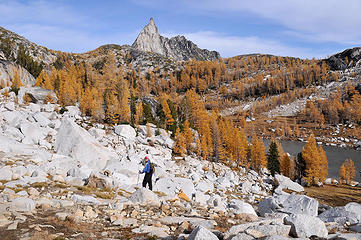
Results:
x,y
152,168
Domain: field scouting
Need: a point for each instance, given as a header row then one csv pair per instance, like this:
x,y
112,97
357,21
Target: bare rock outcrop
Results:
x,y
177,48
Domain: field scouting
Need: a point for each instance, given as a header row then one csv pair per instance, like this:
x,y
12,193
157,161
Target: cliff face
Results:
x,y
344,60
178,48
7,73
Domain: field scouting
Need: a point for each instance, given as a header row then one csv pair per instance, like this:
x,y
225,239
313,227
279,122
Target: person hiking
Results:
x,y
148,170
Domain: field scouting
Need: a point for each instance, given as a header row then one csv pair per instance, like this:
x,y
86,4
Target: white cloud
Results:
x,y
315,20
229,46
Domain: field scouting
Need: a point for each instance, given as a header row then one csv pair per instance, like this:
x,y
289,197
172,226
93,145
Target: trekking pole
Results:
x,y
138,178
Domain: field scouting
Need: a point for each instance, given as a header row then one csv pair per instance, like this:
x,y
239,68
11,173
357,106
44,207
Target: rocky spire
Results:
x,y
149,39
177,48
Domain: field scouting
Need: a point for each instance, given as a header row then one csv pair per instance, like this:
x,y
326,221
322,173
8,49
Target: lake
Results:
x,y
335,156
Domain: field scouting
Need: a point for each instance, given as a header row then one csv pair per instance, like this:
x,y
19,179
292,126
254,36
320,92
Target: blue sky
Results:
x,y
300,28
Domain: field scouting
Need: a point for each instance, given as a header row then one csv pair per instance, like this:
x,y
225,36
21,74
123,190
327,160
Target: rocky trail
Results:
x,y
63,176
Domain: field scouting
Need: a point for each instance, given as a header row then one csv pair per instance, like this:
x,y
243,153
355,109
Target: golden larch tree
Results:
x,y
16,82
179,147
167,114
347,171
316,162
138,117
188,135
286,166
258,159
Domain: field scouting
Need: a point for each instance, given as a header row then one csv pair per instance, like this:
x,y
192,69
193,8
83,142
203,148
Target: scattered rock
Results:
x,y
85,199
341,215
303,225
13,226
202,233
61,216
286,183
240,206
23,204
125,131
145,196
74,141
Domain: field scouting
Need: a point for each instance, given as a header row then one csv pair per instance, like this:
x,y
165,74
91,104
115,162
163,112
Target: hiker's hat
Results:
x,y
146,157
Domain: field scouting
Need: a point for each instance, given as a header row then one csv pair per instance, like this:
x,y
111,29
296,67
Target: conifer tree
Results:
x,y
257,154
179,143
139,113
342,173
188,135
347,171
286,166
149,130
273,163
43,80
316,162
124,102
167,113
16,82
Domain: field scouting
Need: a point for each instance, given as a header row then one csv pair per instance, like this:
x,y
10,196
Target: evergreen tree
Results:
x,y
273,163
300,166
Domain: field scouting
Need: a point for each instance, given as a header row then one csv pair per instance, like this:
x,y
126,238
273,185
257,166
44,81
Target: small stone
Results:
x,y
89,213
113,218
134,214
33,192
4,221
61,216
8,191
22,193
78,213
13,226
184,226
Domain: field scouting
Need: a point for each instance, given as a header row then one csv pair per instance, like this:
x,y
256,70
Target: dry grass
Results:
x,y
86,190
60,185
160,194
39,184
105,195
335,195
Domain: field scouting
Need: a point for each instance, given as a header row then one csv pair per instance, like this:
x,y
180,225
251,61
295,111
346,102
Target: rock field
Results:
x,y
63,176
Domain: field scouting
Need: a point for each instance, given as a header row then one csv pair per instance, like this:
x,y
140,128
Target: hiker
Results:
x,y
148,170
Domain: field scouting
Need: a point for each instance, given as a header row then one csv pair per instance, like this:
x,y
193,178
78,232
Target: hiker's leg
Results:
x,y
144,181
150,182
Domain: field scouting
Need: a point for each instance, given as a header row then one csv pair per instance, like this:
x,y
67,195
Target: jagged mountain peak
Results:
x,y
177,48
149,39
150,28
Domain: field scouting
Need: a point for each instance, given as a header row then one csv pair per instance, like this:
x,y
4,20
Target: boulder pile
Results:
x,y
59,168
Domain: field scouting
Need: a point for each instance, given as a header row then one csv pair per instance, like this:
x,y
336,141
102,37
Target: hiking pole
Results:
x,y
138,178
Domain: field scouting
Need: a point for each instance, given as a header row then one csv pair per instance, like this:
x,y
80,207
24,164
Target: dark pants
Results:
x,y
148,179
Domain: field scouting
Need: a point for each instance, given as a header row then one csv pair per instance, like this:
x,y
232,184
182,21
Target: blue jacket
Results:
x,y
147,168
